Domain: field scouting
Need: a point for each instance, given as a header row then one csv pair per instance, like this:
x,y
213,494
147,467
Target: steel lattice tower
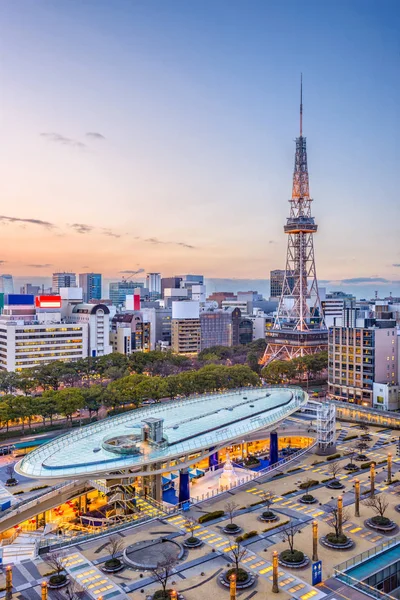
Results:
x,y
299,326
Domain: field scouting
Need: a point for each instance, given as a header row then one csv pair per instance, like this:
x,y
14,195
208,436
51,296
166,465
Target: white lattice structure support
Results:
x,y
326,429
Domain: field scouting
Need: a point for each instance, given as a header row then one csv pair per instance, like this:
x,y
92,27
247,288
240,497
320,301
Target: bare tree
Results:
x,y
307,484
114,546
72,591
334,469
289,532
351,455
334,520
191,524
10,472
378,503
238,553
361,446
55,562
230,508
267,499
164,570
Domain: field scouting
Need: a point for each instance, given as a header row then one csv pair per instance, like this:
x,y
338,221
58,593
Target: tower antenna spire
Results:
x,y
301,105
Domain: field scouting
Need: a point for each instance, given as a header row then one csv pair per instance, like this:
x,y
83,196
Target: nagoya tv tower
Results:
x,y
299,326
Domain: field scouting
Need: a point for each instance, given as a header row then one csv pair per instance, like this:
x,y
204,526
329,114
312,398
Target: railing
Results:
x,y
364,587
359,558
253,476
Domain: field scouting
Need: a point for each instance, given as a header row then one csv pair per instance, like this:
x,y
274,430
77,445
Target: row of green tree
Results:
x,y
134,388
311,366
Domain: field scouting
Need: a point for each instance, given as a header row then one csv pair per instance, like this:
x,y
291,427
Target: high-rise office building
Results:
x,y
91,286
361,356
220,327
6,284
28,288
186,333
153,283
170,283
63,280
119,290
189,280
276,279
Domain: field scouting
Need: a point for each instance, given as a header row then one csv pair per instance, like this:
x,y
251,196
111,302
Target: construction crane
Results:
x,y
132,274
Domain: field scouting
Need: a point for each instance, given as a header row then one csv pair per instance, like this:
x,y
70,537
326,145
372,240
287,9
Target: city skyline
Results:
x,y
139,129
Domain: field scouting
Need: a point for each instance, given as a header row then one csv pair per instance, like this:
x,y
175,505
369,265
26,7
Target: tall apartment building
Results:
x,y
276,279
185,328
160,320
153,283
63,280
361,356
336,306
130,333
119,290
91,284
219,327
6,284
32,335
97,319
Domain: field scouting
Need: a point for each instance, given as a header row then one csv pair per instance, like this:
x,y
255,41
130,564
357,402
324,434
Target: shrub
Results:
x,y
333,456
308,484
292,557
382,462
192,540
378,520
39,487
293,470
289,492
18,493
275,526
350,437
241,574
246,536
211,516
317,462
231,527
307,497
57,579
159,595
327,479
267,514
112,563
366,465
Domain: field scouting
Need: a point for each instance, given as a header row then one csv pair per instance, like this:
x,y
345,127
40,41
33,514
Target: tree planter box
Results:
x,y
384,528
114,568
195,544
347,545
231,530
305,500
240,585
11,482
351,467
335,485
57,586
268,518
293,565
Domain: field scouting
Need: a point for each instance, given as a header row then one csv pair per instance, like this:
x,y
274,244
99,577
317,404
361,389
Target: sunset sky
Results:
x,y
159,135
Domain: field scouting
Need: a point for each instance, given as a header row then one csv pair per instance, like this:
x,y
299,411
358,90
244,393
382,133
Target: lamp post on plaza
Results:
x,y
8,582
372,478
232,586
389,467
44,590
357,501
340,514
275,587
315,540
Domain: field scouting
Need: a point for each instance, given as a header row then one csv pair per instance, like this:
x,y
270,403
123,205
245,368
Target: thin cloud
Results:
x,y
157,241
128,272
2,262
110,233
58,138
94,135
45,265
396,265
46,224
272,242
81,228
356,280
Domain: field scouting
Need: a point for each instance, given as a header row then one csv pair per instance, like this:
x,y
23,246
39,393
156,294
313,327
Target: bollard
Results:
x,y
275,587
232,586
357,502
340,514
315,540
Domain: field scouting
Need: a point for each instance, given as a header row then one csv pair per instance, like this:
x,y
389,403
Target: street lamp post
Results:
x,y
315,540
340,514
389,467
232,586
372,478
275,587
357,500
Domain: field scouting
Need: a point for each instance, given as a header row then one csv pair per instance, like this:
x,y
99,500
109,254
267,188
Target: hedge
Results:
x,y
366,465
289,492
308,484
333,456
349,437
293,470
211,516
281,524
246,536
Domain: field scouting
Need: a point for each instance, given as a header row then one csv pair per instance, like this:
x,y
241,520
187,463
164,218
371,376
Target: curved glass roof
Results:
x,y
189,426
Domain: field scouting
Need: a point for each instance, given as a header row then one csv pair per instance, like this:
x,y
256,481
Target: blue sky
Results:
x,y
195,107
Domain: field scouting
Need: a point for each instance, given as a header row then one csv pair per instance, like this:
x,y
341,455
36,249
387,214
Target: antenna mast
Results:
x,y
301,105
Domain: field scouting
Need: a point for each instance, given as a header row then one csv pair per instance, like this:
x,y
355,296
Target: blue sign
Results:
x,y
317,572
185,506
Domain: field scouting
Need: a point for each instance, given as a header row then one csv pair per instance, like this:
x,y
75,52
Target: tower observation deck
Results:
x,y
299,326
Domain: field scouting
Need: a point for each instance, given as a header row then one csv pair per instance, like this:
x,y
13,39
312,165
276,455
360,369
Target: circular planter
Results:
x,y
240,584
11,482
383,526
301,562
351,467
362,457
113,565
308,499
253,464
193,542
268,516
335,485
345,545
59,581
159,595
232,529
